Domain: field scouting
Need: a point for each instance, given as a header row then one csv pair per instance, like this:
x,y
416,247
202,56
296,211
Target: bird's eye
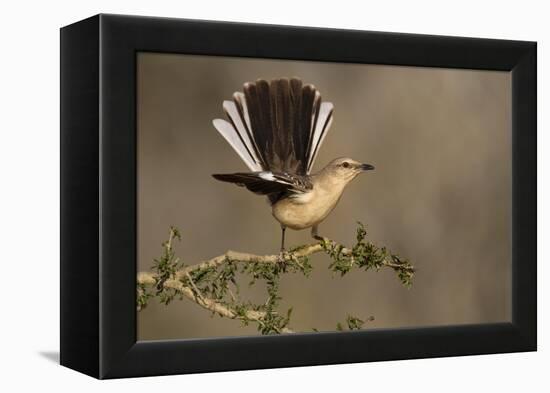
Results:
x,y
345,164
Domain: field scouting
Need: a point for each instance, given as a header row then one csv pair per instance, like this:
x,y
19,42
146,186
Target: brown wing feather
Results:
x,y
266,183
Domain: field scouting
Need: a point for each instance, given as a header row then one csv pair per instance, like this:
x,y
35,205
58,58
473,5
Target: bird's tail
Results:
x,y
276,126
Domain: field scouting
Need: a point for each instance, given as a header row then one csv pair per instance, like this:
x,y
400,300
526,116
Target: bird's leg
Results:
x,y
282,254
315,233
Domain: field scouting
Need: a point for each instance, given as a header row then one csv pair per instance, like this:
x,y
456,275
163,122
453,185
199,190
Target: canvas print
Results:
x,y
286,197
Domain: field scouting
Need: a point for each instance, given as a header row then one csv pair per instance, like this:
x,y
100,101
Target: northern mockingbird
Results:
x,y
277,129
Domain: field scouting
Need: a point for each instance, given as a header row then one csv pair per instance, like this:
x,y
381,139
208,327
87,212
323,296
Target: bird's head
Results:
x,y
345,169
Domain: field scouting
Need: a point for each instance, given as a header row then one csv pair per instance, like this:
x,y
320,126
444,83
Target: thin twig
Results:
x,y
199,294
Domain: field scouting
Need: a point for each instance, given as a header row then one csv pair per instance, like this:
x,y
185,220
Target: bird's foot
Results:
x,y
283,258
315,234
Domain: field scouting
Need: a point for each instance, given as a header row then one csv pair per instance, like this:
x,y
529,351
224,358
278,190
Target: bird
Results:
x,y
277,128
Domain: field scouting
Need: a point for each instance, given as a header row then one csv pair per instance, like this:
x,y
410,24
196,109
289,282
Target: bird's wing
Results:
x,y
267,183
276,126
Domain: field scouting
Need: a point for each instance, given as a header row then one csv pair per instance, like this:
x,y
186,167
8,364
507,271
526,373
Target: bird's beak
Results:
x,y
366,167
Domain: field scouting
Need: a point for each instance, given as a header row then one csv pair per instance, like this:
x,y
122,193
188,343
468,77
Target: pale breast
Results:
x,y
307,209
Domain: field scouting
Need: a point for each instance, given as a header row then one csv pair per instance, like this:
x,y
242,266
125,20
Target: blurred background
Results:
x,y
440,140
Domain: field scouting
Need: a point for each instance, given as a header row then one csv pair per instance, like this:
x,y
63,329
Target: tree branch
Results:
x,y
148,278
207,283
303,251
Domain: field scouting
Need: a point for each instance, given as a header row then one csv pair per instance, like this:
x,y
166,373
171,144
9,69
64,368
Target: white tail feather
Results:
x,y
231,110
242,100
227,130
324,121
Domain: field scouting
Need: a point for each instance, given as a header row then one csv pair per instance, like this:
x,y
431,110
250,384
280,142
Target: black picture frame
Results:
x,y
98,195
